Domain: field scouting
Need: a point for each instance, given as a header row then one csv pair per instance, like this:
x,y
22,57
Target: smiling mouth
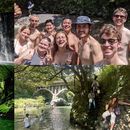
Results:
x,y
66,27
107,52
61,43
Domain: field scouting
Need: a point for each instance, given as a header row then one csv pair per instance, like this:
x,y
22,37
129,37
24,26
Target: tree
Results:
x,y
7,93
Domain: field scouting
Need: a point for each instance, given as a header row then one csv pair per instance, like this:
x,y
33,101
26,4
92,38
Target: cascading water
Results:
x,y
6,38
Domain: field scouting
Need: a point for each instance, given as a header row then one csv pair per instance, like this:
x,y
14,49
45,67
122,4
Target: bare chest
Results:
x,y
85,52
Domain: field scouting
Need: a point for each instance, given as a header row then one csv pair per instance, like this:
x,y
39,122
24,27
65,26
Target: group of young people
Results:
x,y
65,47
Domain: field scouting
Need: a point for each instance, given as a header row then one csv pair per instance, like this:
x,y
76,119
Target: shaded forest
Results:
x,y
6,91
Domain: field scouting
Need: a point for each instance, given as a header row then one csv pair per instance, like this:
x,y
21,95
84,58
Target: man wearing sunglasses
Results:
x,y
110,39
119,18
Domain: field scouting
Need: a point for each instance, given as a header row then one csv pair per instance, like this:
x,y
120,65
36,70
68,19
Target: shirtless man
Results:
x,y
89,49
110,42
34,36
72,38
49,30
119,18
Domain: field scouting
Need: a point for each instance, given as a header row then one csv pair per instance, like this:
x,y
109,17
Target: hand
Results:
x,y
17,10
27,54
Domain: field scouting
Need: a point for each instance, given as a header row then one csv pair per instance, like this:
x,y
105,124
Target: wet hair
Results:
x,y
67,17
113,104
123,10
49,21
109,29
47,38
55,45
27,115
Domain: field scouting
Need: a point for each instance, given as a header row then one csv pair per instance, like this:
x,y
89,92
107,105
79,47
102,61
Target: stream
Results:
x,y
52,119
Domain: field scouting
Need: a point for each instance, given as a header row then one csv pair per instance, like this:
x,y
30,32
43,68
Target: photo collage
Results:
x,y
64,65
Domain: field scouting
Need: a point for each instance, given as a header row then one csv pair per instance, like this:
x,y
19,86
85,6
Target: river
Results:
x,y
53,119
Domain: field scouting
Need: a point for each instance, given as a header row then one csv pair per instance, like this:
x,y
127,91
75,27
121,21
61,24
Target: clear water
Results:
x,y
53,119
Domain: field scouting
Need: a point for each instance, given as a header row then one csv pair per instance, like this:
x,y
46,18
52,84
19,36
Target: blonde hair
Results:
x,y
20,30
109,29
123,10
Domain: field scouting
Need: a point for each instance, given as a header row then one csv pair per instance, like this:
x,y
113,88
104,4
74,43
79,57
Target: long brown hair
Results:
x,y
56,46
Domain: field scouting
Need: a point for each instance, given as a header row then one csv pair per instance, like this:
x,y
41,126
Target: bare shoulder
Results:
x,y
37,31
72,35
120,62
93,41
73,39
126,31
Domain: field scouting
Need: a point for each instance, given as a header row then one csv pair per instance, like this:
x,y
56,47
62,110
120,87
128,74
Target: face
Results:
x,y
34,21
67,25
119,19
82,30
43,46
114,99
49,27
24,34
109,45
61,39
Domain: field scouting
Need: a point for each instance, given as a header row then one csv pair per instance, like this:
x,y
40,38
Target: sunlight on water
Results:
x,y
53,119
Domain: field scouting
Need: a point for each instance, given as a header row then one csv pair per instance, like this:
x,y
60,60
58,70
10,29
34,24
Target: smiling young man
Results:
x,y
119,18
110,42
89,48
49,30
72,38
34,22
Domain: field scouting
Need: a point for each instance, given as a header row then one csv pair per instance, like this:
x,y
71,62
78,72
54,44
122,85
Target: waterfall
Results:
x,y
6,38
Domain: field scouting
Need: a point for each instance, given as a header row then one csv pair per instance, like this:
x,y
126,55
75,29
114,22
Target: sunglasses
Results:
x,y
110,41
119,16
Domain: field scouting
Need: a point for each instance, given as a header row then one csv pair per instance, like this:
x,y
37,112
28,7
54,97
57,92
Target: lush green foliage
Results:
x,y
21,102
6,93
103,8
6,125
6,6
